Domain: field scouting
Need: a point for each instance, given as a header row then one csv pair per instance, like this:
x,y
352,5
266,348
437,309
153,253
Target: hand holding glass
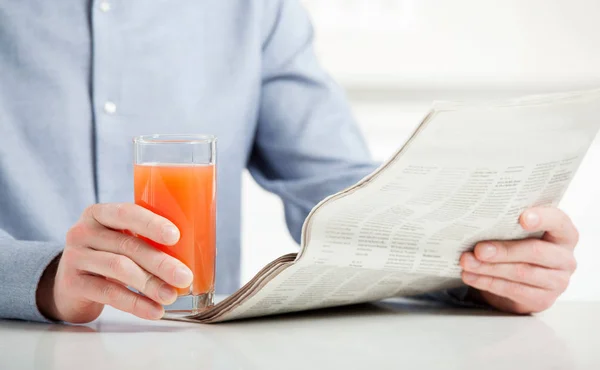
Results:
x,y
175,177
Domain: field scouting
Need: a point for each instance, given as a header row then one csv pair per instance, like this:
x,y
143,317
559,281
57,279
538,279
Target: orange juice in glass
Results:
x,y
175,177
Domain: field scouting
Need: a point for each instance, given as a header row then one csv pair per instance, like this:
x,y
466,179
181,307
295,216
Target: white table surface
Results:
x,y
390,335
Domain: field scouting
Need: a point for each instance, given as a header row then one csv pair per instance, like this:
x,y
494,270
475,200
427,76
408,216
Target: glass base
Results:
x,y
189,305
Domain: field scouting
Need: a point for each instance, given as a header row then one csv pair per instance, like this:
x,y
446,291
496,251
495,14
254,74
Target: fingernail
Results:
x,y
472,262
183,277
157,312
487,251
170,234
532,219
468,277
167,294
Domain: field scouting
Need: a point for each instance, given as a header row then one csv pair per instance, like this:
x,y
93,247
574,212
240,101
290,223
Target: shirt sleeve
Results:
x,y
308,145
21,266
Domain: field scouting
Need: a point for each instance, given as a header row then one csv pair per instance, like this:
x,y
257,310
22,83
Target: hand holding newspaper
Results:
x,y
465,175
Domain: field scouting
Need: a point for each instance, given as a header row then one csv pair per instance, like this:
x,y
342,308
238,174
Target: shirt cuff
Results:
x,y
20,284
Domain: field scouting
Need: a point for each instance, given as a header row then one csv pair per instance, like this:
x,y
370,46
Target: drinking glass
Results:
x,y
175,177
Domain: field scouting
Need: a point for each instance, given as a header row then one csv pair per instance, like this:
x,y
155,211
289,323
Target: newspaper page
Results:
x,y
465,175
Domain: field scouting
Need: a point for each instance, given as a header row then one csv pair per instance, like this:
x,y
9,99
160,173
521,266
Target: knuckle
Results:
x,y
514,290
576,236
129,246
522,272
566,225
503,252
93,211
117,264
135,303
571,263
120,211
536,250
70,256
164,266
89,210
76,234
147,284
562,282
566,219
149,224
490,283
153,226
110,293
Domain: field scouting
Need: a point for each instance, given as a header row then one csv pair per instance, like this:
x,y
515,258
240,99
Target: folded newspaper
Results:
x,y
465,175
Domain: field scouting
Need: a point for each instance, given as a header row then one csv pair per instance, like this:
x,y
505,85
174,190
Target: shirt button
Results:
x,y
105,6
110,107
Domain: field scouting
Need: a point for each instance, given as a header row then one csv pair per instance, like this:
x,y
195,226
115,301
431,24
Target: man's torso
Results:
x,y
78,80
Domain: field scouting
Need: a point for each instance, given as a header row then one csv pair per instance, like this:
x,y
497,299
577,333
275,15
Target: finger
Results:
x,y
532,275
558,227
136,219
531,251
167,268
98,289
125,271
536,299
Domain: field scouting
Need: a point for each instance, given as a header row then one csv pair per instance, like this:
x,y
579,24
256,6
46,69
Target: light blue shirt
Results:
x,y
79,79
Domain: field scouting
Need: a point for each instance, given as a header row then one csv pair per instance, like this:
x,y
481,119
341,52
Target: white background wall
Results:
x,y
395,56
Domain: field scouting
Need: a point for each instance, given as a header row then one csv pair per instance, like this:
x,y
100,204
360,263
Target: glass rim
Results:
x,y
175,139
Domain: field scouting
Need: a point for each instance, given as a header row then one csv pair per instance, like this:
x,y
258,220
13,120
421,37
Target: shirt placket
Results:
x,y
107,54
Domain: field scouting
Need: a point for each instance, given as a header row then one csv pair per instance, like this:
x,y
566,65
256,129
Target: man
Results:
x,y
79,79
